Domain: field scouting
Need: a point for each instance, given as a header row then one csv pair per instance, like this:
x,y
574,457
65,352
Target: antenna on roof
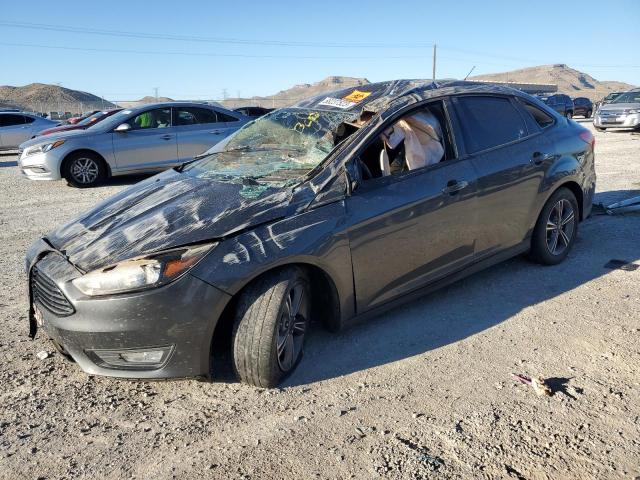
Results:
x,y
472,69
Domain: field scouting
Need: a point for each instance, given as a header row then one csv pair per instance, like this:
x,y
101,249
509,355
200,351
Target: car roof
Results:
x,y
378,96
148,106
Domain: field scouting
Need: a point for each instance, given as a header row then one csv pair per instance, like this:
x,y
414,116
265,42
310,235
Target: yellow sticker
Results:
x,y
356,96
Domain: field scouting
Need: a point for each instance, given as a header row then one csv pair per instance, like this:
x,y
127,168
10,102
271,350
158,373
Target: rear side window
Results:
x,y
543,119
223,117
8,120
29,119
194,115
489,122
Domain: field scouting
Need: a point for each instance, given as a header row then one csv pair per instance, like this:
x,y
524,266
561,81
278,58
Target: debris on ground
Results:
x,y
42,355
625,206
625,265
538,384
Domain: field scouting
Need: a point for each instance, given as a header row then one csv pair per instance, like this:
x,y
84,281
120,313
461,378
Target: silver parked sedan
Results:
x,y
18,127
144,139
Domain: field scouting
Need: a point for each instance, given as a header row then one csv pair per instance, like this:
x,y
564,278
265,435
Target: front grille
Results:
x,y
46,293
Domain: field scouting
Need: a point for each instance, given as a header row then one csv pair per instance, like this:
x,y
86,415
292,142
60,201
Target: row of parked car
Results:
x,y
119,141
618,109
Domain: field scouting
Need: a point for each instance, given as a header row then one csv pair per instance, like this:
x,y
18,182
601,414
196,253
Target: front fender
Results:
x,y
315,237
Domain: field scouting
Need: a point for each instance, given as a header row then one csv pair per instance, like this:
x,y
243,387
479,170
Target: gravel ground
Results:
x,y
424,391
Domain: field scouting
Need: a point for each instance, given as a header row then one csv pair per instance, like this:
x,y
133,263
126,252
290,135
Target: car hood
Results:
x,y
168,210
617,107
58,135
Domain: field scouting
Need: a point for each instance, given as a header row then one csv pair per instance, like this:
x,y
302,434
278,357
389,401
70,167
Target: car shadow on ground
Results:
x,y
124,180
469,306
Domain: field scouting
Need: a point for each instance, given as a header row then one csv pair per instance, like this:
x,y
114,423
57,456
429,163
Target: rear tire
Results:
x,y
269,331
600,129
84,170
588,114
569,114
556,229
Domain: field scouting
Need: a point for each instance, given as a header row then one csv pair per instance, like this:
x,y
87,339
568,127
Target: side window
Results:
x,y
158,118
489,122
415,140
29,119
194,115
541,118
10,120
223,117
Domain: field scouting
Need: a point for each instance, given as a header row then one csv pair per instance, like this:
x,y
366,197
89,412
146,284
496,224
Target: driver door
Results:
x,y
150,144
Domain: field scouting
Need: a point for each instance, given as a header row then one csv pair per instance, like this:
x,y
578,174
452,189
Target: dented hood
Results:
x,y
168,210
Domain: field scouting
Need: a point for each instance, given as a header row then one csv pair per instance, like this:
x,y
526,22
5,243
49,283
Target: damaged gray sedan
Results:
x,y
332,210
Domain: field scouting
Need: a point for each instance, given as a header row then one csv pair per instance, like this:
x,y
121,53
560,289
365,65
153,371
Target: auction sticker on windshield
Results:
x,y
337,103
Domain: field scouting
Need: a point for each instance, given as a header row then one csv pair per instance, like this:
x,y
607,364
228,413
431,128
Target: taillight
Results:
x,y
587,137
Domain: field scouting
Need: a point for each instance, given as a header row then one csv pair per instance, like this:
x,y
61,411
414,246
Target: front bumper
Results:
x,y
179,318
42,166
631,120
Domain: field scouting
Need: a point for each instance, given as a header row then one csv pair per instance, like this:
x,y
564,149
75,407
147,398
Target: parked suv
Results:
x,y
144,139
623,112
334,209
560,103
582,106
18,127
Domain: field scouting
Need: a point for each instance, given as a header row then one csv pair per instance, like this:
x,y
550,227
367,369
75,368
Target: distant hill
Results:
x,y
42,97
570,81
296,93
144,101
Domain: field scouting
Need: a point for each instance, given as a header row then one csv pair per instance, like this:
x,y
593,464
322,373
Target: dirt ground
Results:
x,y
424,391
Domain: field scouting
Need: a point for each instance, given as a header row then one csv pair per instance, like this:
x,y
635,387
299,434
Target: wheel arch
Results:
x,y
325,302
83,150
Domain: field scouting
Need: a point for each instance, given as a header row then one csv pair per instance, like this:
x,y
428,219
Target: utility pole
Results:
x,y
434,63
155,89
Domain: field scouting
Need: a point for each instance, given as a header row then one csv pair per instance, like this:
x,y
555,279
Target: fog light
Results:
x,y
134,358
36,169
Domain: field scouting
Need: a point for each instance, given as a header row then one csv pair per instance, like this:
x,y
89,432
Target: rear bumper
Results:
x,y
178,318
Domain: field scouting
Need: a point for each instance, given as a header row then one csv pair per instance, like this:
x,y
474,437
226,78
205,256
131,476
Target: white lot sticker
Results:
x,y
337,102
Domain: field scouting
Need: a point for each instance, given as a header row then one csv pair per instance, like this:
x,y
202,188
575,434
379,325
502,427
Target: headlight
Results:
x,y
43,148
142,272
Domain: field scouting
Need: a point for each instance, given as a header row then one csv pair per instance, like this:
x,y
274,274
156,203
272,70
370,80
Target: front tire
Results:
x,y
588,114
556,229
84,170
569,114
269,331
600,129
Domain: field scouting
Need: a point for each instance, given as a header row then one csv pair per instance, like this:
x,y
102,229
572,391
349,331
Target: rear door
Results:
x,y
150,144
198,129
14,130
509,155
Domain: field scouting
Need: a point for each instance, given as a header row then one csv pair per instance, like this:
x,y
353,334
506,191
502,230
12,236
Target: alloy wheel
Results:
x,y
291,328
560,227
84,170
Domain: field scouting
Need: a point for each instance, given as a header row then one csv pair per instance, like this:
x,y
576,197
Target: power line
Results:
x,y
190,38
200,54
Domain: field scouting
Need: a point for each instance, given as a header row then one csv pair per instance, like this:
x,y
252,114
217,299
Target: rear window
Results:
x,y
542,118
489,122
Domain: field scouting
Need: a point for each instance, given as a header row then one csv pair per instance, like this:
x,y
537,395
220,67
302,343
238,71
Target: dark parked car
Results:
x,y
582,106
332,210
560,103
253,112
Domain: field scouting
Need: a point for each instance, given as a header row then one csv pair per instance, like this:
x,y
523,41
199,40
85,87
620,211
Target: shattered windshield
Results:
x,y
279,147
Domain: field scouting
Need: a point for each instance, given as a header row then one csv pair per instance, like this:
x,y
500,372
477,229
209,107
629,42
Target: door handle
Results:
x,y
166,137
215,132
454,186
539,157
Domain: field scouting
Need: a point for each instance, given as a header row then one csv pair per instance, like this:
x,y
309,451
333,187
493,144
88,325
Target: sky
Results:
x,y
212,49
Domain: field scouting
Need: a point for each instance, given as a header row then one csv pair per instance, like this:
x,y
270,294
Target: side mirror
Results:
x,y
123,127
352,177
